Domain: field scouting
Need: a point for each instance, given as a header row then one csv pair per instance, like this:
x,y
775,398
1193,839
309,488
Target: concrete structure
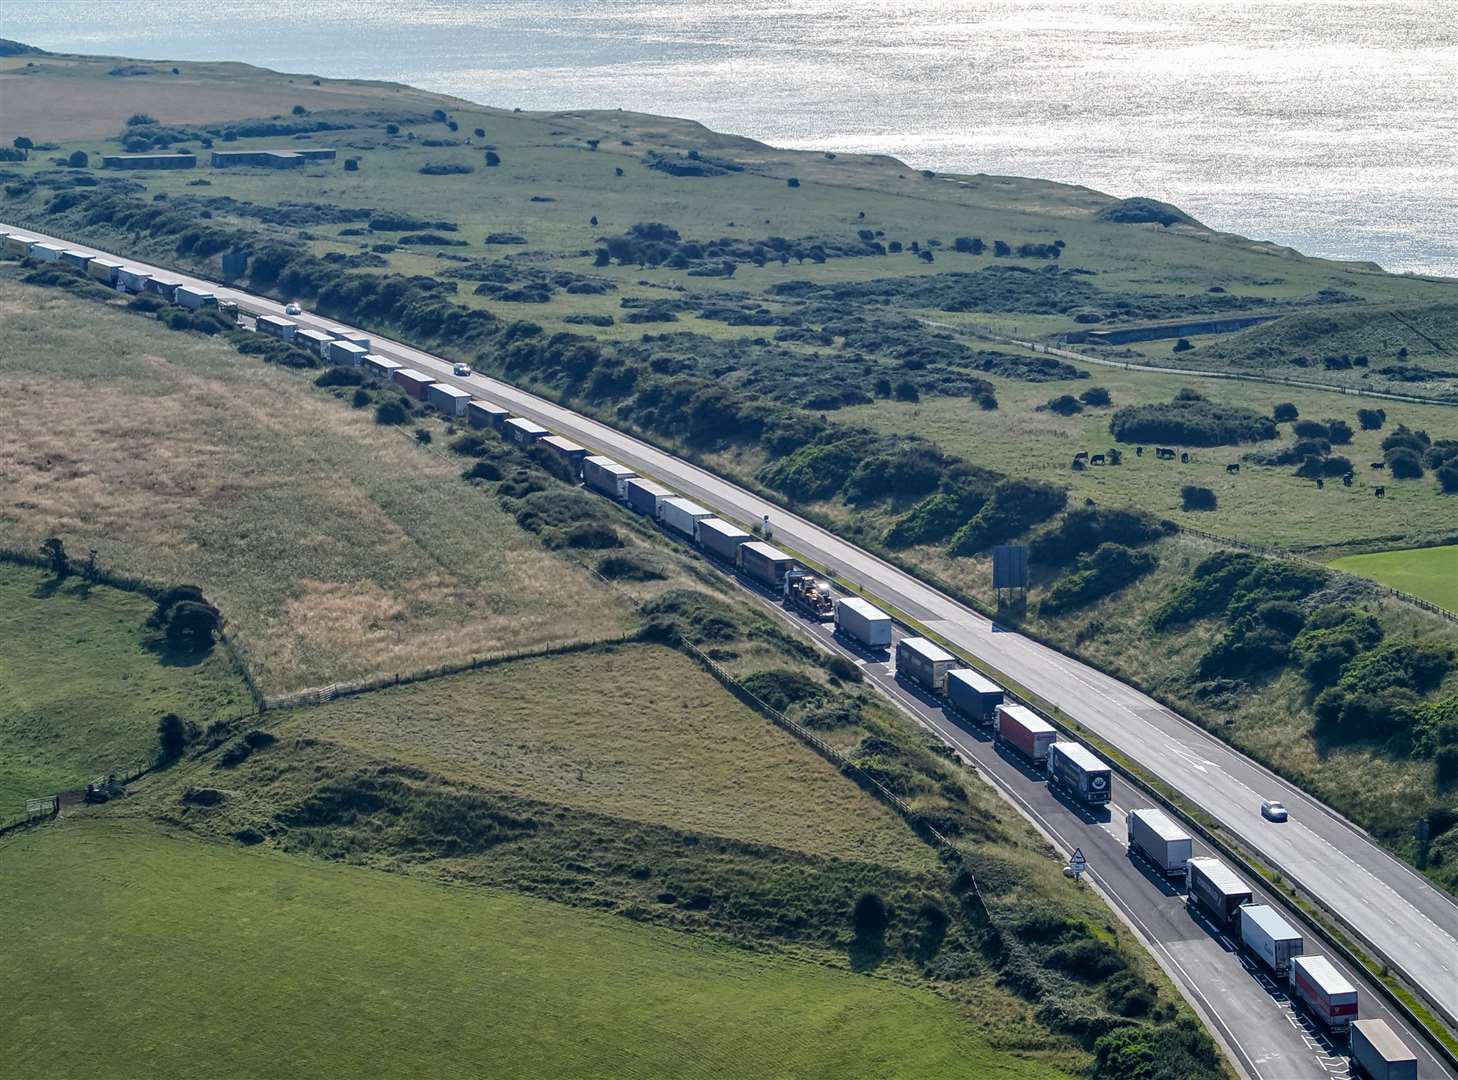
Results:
x,y
133,279
521,430
451,400
277,326
718,537
188,297
382,367
1159,331
46,252
104,270
567,450
316,341
415,383
606,475
149,161
75,258
483,414
346,353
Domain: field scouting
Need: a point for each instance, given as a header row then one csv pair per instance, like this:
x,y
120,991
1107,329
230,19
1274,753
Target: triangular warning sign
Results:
x,y
1077,856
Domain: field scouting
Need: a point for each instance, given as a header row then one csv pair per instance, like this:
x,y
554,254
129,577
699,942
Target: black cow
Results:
x,y
1097,459
1233,467
1346,479
1320,482
1139,451
1380,492
1164,453
1083,454
1379,464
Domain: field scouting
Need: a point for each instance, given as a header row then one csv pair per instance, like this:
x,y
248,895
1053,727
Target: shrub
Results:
x,y
172,737
1197,498
842,668
1084,528
79,159
793,181
1397,665
869,918
140,119
1182,345
1371,419
341,376
782,689
1339,432
360,399
1086,958
592,535
1190,422
1014,507
445,168
1402,437
935,518
628,568
1234,584
1447,475
423,437
1095,395
1064,405
1445,765
351,164
1404,463
1285,411
483,470
1309,429
1107,570
391,412
493,159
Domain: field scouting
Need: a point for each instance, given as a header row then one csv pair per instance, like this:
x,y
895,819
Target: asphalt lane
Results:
x,y
1400,914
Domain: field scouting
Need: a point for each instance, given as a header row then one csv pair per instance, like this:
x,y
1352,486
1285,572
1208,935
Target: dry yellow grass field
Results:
x,y
337,548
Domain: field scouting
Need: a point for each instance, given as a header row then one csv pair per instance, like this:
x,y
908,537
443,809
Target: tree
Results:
x,y
1285,411
172,736
193,624
869,918
55,551
493,159
21,142
1404,464
906,391
80,159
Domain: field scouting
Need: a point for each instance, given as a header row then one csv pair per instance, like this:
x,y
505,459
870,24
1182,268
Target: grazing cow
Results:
x,y
1116,457
1380,492
1320,482
1083,454
1097,459
1164,453
1233,467
1379,464
1078,465
1139,451
1346,479
1185,456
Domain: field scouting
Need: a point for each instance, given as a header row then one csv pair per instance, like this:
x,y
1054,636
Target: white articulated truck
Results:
x,y
863,622
1269,938
1158,839
1379,1054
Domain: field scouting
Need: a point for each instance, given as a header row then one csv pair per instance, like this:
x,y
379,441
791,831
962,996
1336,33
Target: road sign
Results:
x,y
1077,864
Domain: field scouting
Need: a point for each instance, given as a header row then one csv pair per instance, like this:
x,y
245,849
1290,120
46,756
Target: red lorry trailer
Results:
x,y
1325,991
1018,726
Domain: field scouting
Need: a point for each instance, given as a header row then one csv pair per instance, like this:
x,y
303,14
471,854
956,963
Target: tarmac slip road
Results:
x,y
1398,913
1265,1034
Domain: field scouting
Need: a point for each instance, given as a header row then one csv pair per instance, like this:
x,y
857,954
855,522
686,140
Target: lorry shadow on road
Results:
x,y
1093,815
1020,763
1153,874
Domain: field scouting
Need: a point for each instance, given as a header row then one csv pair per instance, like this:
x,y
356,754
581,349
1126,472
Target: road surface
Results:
x,y
1402,916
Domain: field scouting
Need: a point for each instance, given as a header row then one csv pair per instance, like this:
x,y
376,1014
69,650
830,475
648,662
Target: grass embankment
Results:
x,y
1431,573
336,548
261,964
81,691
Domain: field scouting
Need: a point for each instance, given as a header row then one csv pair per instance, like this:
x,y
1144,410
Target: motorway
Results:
x,y
1395,910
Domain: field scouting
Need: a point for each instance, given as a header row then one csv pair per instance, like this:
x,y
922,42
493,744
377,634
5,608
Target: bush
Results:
x,y
140,120
1182,345
792,182
869,918
1309,429
1285,411
1095,395
1064,405
445,168
360,399
1190,422
172,737
1086,958
341,376
391,412
79,159
1234,584
493,159
628,568
1197,498
782,689
483,470
1339,432
592,535
1107,570
1448,478
1371,419
1014,507
1404,464
1083,529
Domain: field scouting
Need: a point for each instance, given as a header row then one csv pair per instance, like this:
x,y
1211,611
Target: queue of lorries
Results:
x,y
1210,886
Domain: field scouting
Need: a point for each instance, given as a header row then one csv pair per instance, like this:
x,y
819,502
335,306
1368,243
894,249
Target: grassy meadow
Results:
x,y
336,548
1431,573
263,964
80,689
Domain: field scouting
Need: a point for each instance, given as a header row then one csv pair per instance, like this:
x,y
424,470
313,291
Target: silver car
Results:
x,y
1272,810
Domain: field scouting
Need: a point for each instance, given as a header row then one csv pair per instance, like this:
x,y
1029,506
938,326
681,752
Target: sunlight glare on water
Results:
x,y
1329,125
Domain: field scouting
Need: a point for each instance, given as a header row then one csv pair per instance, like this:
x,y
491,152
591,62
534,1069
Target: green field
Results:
x,y
81,694
335,547
1431,573
259,964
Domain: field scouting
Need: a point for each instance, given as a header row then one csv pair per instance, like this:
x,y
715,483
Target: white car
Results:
x,y
461,369
292,308
1272,810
